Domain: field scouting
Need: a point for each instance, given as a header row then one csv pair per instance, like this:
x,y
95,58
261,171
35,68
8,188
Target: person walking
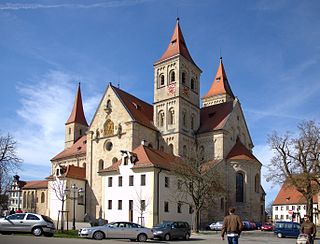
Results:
x,y
309,228
232,225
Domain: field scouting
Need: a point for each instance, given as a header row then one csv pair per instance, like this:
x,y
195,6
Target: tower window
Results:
x,y
172,76
192,85
184,118
161,80
171,116
161,118
183,78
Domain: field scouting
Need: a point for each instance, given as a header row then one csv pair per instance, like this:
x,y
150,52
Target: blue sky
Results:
x,y
271,52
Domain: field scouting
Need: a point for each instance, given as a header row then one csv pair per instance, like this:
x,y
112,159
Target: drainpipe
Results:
x,y
158,195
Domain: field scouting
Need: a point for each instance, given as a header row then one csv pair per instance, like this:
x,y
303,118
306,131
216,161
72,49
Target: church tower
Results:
x,y
176,95
220,90
76,125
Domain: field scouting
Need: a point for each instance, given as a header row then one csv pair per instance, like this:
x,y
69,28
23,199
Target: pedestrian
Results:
x,y
12,211
309,228
232,225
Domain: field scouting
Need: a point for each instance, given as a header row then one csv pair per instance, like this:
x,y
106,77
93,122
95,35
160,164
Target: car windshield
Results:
x,y
163,225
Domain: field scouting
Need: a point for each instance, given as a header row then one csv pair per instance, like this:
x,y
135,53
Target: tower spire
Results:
x,y
177,45
220,89
77,114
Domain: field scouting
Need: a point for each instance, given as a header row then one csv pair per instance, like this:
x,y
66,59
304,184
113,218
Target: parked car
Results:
x,y
172,230
216,226
246,225
267,227
117,230
282,229
27,222
258,225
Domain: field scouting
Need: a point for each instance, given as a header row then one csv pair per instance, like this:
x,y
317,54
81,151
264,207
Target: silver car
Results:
x,y
118,230
27,222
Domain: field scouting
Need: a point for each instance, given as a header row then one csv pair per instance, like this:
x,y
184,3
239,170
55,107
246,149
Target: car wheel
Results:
x,y
187,236
98,235
167,237
279,235
142,238
37,231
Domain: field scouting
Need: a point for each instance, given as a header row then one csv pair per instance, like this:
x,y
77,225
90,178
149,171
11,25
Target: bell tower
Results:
x,y
76,126
176,95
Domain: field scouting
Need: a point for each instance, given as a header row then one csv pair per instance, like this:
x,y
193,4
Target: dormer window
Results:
x,y
173,42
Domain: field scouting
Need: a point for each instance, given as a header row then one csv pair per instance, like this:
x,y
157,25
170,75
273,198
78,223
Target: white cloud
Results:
x,y
33,6
46,104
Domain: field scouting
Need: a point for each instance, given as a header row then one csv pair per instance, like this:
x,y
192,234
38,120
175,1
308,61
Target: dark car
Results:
x,y
290,229
172,230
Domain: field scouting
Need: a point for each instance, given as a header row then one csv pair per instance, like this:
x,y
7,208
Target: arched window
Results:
x,y
108,128
171,116
184,150
161,80
161,118
192,84
172,76
257,183
192,122
184,118
183,78
108,105
239,187
84,165
114,160
43,197
171,147
101,164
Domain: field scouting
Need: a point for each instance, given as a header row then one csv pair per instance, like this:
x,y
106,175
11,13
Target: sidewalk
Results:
x,y
78,225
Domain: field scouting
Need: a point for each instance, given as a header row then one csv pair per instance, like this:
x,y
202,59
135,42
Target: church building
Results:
x,y
122,159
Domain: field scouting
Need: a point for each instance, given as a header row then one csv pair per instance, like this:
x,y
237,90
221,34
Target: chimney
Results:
x,y
144,142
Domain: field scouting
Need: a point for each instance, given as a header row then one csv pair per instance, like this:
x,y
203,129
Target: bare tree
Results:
x,y
296,160
198,181
9,161
58,186
141,206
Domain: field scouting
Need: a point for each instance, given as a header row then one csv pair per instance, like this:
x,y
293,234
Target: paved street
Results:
x,y
247,237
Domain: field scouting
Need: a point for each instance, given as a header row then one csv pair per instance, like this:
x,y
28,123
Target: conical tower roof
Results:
x,y
220,85
177,46
77,114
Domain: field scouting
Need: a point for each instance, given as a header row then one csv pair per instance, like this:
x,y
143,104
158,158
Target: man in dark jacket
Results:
x,y
308,228
232,225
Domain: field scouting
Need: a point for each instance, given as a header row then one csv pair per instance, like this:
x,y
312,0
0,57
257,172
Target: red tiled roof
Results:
x,y
148,157
208,165
240,152
78,148
177,46
77,114
214,117
75,172
36,184
288,194
141,111
220,85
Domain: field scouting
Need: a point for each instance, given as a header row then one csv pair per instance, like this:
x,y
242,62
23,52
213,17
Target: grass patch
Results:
x,y
66,234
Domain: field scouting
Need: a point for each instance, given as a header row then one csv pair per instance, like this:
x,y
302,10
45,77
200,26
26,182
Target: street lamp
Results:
x,y
73,194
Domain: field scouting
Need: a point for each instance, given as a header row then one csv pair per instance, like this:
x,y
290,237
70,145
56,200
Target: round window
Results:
x,y
109,146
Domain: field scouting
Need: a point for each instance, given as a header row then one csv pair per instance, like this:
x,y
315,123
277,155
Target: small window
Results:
x,y
42,197
143,180
183,78
166,207
287,207
172,77
130,180
119,204
143,205
80,132
293,207
109,204
120,181
101,164
109,146
276,208
171,116
192,85
179,207
69,130
161,80
161,118
108,105
190,209
114,160
166,182
109,181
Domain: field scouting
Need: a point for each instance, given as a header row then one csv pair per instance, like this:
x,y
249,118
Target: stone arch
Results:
x,y
108,128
